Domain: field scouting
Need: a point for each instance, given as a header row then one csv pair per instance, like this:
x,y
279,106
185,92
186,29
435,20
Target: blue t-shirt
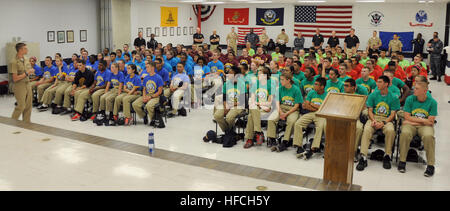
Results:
x,y
61,75
115,80
140,64
64,64
130,83
180,77
201,72
102,77
173,63
38,70
49,72
188,69
164,73
152,83
216,66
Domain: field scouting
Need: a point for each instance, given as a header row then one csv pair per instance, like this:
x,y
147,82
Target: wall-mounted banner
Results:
x,y
269,16
421,19
376,18
404,37
169,16
235,16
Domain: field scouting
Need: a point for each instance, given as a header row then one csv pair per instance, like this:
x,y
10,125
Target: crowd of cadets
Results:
x,y
279,88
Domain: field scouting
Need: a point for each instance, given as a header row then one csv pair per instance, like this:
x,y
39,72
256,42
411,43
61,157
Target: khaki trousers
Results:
x,y
176,98
388,131
60,92
273,121
303,122
150,107
426,133
226,122
67,96
96,99
81,96
24,97
49,94
107,100
41,89
125,99
358,134
253,123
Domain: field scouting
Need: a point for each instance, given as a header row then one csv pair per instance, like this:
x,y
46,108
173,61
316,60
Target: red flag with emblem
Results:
x,y
235,16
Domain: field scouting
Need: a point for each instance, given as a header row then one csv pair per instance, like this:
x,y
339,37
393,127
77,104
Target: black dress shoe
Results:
x,y
439,79
433,78
171,115
65,111
145,120
56,110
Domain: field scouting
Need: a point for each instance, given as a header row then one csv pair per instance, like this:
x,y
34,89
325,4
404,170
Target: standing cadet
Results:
x,y
232,40
395,45
214,39
263,39
20,69
374,44
282,39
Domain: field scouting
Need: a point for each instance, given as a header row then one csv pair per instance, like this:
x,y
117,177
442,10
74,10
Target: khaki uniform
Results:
x,y
150,107
373,41
81,96
107,100
284,37
303,122
41,89
60,91
395,45
226,122
254,122
67,96
126,100
176,98
388,131
22,90
290,121
426,133
232,38
49,94
263,38
96,99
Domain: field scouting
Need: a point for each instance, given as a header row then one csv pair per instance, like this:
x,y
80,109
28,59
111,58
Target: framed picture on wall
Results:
x,y
70,36
61,37
83,35
172,31
178,31
141,30
185,30
51,36
149,31
191,30
156,31
164,31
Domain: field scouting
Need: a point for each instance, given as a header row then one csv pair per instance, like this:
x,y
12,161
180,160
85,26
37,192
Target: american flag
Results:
x,y
243,31
326,18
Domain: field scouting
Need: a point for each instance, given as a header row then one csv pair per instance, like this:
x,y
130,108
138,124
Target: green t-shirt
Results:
x,y
300,76
361,90
363,61
261,91
419,109
369,84
383,62
250,78
275,56
302,59
344,78
251,52
334,87
234,92
404,64
392,89
383,105
306,86
315,98
290,96
398,83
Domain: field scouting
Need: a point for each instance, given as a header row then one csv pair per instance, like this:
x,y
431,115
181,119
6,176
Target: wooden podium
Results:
x,y
341,112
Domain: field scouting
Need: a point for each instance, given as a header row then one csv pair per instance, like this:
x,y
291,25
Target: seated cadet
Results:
x,y
131,92
420,112
233,100
309,63
298,74
325,68
163,72
382,60
35,76
399,84
402,62
287,109
312,103
99,86
84,79
295,80
114,86
398,71
350,71
382,105
47,79
113,57
366,80
245,58
49,93
204,71
333,84
308,83
180,83
122,67
152,88
375,71
93,65
65,86
260,103
58,56
416,62
343,72
414,72
138,61
350,87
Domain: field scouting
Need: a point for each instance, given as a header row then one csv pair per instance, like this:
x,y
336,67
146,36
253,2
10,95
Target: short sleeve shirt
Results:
x,y
419,109
198,36
383,105
291,96
351,41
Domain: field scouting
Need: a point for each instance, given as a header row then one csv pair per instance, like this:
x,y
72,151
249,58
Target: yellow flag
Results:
x,y
169,16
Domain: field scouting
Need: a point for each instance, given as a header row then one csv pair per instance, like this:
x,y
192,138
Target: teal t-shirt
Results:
x,y
261,91
315,98
235,92
361,90
420,109
334,87
383,105
291,96
344,78
300,76
398,83
306,86
392,89
369,84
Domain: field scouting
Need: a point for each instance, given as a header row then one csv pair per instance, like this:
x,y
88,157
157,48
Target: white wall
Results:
x,y
31,20
147,14
396,18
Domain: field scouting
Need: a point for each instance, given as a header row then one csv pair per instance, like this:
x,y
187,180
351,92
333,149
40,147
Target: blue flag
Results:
x,y
404,37
269,16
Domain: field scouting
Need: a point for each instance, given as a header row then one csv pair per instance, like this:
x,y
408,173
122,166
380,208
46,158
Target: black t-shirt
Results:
x,y
317,39
139,42
351,41
214,37
198,36
333,41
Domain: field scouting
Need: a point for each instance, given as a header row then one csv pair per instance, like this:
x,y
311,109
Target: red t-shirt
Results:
x,y
247,60
399,73
423,71
303,68
232,63
376,73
